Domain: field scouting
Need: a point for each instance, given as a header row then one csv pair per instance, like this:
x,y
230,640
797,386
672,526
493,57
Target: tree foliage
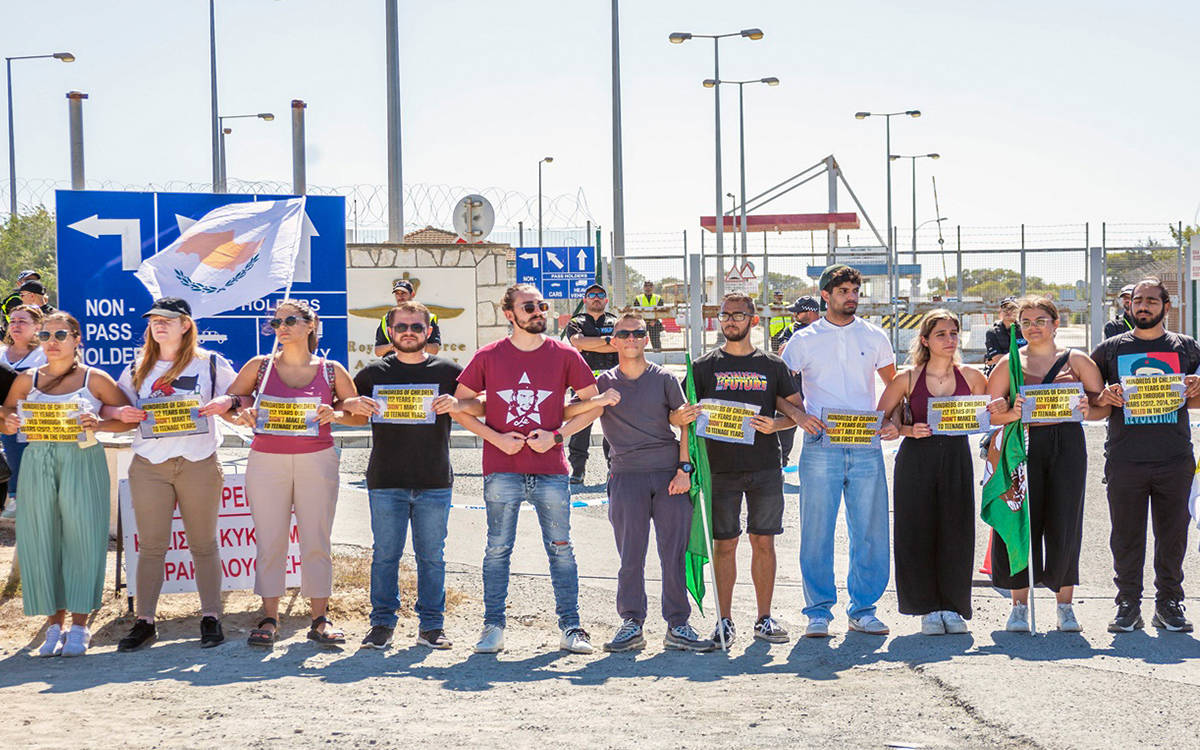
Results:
x,y
992,284
27,241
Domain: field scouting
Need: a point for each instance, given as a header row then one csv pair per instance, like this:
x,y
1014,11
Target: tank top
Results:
x,y
82,393
919,398
293,444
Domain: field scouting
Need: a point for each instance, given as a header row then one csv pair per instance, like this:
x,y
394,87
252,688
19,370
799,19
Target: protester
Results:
x,y
33,293
651,477
1148,460
838,358
590,332
180,470
1123,321
933,483
526,376
739,371
62,529
403,291
22,352
409,478
805,311
286,473
647,301
998,337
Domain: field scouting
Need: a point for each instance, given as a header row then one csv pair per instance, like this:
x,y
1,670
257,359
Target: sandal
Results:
x,y
260,637
330,637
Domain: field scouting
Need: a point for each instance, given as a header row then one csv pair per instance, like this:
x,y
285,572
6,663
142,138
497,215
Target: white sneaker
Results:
x,y
1018,619
77,640
491,640
818,627
1066,619
54,642
955,624
869,624
932,624
576,640
11,510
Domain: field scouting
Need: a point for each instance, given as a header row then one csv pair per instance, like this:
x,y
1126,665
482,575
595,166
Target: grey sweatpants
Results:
x,y
634,498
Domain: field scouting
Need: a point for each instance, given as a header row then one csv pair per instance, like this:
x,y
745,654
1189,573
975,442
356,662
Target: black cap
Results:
x,y
806,302
169,307
595,286
404,284
36,287
828,274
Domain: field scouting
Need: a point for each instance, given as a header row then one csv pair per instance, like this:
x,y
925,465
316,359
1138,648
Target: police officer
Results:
x,y
13,299
648,299
778,324
591,333
805,310
402,290
1123,322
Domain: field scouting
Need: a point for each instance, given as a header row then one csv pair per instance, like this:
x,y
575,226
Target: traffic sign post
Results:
x,y
557,272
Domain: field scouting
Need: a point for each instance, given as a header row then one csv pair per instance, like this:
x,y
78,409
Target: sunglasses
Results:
x,y
736,317
530,307
404,327
289,321
59,335
639,333
596,295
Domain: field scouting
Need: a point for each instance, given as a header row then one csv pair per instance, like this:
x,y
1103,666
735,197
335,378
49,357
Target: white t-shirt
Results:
x,y
837,364
195,379
35,358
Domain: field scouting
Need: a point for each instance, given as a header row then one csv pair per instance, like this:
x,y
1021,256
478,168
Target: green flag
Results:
x,y
700,541
1005,494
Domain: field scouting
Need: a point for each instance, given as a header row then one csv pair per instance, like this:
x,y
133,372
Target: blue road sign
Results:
x,y
558,272
103,236
904,270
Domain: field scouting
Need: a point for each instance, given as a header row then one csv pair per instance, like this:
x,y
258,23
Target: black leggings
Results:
x,y
1057,474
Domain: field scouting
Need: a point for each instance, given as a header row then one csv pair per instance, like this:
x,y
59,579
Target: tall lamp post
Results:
x,y
222,172
913,158
680,37
544,160
12,148
712,83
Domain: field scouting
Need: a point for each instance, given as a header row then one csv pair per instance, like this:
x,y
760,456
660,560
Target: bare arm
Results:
x,y
997,388
105,388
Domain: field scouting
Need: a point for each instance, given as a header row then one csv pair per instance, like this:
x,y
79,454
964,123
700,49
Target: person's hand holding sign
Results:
x,y
686,414
999,406
362,406
889,431
128,414
1112,395
920,430
247,417
89,420
325,414
12,423
214,408
1191,386
810,424
765,425
540,440
444,404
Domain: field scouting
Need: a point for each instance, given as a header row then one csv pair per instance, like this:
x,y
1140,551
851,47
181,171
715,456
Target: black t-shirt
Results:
x,y
410,456
585,325
998,339
1150,439
7,377
381,336
755,379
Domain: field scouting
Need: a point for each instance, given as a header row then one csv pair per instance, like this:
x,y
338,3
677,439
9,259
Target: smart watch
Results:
x,y
558,438
686,467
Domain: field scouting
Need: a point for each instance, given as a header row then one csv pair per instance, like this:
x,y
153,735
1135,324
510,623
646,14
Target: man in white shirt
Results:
x,y
838,358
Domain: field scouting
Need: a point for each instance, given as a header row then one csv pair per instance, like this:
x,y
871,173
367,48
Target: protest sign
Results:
x,y
726,421
846,428
287,416
1151,395
1052,403
171,416
959,415
406,404
50,421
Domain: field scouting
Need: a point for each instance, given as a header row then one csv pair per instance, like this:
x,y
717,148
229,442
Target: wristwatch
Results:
x,y
558,438
686,467
608,340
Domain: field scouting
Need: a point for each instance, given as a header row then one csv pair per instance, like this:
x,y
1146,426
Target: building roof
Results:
x,y
431,236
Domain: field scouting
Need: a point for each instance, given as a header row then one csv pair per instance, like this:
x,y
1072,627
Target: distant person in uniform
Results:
x,y
777,324
648,299
402,290
13,300
997,339
805,311
33,293
1123,322
591,333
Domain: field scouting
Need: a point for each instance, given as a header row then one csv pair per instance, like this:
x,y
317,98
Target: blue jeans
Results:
x,y
13,449
550,497
391,511
827,474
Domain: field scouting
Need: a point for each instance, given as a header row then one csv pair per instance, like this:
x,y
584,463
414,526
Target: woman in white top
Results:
x,y
21,353
181,469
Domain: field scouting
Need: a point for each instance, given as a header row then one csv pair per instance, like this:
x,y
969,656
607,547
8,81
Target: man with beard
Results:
x,y
591,333
1148,459
739,371
409,477
1123,322
838,358
526,377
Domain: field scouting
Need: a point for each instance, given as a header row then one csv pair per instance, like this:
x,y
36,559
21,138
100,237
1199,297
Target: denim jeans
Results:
x,y
827,474
550,497
391,511
13,450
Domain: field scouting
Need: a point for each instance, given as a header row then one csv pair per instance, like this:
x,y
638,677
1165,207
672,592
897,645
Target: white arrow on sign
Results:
x,y
531,257
129,229
554,259
582,257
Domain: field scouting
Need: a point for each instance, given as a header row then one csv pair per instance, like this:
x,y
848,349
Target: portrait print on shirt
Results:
x,y
1149,363
523,403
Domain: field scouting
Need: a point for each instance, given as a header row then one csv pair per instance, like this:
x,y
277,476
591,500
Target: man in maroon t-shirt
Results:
x,y
526,377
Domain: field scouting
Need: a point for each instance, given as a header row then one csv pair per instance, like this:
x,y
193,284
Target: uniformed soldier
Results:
x,y
648,299
591,333
402,290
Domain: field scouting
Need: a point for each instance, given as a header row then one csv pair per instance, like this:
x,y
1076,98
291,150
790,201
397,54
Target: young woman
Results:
x,y
933,483
286,472
170,470
62,529
22,351
1057,468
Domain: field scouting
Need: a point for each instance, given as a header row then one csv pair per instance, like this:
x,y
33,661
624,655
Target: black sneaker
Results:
x,y
434,639
1128,619
210,632
726,626
143,634
379,637
577,478
767,629
1169,616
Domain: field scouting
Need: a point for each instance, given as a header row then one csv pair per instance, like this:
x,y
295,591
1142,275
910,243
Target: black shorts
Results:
x,y
764,503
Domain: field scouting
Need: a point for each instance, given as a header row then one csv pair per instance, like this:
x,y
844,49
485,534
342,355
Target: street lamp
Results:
x,y
913,158
733,212
222,172
680,37
12,149
544,160
711,83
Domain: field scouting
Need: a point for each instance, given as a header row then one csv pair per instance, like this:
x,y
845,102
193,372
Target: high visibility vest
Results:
x,y
383,324
643,300
777,325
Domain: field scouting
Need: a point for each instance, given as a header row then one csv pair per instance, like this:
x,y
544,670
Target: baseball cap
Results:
x,y
36,287
403,284
1127,289
595,286
24,276
806,302
169,307
1009,301
828,274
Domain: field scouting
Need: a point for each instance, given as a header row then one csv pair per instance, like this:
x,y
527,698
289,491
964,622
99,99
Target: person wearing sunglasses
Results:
x,y
591,332
526,376
286,473
62,529
403,291
22,352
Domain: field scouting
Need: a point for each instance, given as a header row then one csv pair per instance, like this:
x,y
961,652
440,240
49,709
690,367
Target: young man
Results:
x,y
402,290
997,338
648,300
409,478
838,358
1148,459
526,377
1123,322
590,332
740,371
651,476
805,311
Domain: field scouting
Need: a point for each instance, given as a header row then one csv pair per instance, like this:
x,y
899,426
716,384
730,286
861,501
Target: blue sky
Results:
x,y
1044,113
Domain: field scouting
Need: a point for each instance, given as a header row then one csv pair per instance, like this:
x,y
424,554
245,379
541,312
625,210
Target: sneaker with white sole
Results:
x,y
932,624
685,638
576,640
818,627
491,640
78,639
628,637
769,630
1067,622
378,637
954,622
723,628
11,510
1018,619
53,646
869,624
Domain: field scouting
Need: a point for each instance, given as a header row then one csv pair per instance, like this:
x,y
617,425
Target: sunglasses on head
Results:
x,y
637,333
59,335
531,307
289,321
404,327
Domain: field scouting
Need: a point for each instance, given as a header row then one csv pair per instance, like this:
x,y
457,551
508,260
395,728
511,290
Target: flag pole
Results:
x,y
287,295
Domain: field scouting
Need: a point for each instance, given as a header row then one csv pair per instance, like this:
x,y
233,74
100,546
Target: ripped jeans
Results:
x,y
550,497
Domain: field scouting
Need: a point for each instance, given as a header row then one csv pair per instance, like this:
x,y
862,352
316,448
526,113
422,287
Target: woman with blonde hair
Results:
x,y
933,483
22,351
